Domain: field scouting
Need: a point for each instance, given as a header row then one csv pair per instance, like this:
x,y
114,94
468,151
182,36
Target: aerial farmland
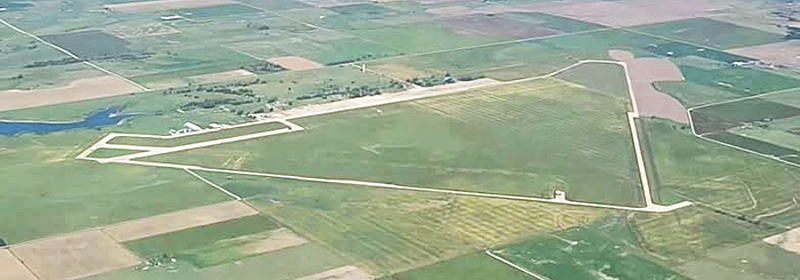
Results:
x,y
399,139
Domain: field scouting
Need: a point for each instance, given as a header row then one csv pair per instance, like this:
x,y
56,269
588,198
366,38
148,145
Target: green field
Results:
x,y
721,83
712,33
68,195
89,44
753,261
605,250
392,230
474,141
607,78
692,168
474,266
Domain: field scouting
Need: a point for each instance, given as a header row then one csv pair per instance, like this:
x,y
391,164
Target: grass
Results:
x,y
753,144
474,141
753,261
362,9
198,138
277,5
712,33
216,11
552,22
393,231
690,233
179,242
421,37
606,78
729,179
600,252
46,191
110,153
473,266
283,264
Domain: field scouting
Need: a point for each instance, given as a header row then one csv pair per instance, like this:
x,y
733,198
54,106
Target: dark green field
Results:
x,y
90,43
712,33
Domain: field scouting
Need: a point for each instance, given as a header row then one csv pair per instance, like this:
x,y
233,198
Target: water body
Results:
x,y
102,118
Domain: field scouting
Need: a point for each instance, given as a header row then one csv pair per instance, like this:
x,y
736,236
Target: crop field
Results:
x,y
281,264
713,85
603,250
515,115
89,44
712,33
473,266
728,115
605,78
782,132
393,231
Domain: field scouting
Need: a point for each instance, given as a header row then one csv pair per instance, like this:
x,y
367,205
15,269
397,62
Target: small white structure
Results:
x,y
560,195
171,17
192,126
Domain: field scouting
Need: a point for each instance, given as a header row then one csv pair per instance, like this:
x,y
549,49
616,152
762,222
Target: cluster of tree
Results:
x,y
326,90
360,58
226,89
156,261
263,67
17,77
212,103
64,61
436,80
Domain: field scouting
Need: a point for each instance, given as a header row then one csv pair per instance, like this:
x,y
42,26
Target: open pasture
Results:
x,y
728,115
704,86
690,233
744,184
393,231
473,266
712,33
450,150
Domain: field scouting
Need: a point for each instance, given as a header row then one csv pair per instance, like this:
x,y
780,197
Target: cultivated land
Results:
x,y
535,163
13,269
74,256
78,90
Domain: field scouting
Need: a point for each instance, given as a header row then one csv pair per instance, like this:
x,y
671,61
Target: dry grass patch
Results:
x,y
163,5
789,241
12,269
277,240
295,63
74,256
783,53
221,76
180,220
644,72
342,273
78,90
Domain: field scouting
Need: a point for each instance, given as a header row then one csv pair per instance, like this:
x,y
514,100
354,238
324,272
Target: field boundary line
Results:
x,y
21,262
214,185
701,106
523,270
68,53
